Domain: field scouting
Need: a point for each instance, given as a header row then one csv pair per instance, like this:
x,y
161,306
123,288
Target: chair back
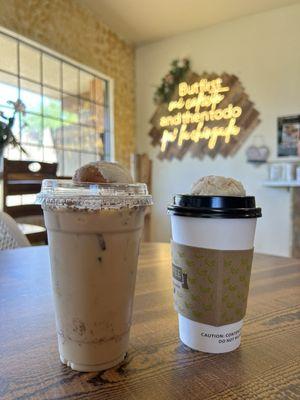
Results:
x,y
24,177
10,235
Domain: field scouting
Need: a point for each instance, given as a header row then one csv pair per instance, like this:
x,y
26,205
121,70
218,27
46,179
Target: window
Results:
x,y
68,115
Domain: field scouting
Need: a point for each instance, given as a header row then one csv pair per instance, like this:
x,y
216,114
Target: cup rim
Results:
x,y
92,195
201,206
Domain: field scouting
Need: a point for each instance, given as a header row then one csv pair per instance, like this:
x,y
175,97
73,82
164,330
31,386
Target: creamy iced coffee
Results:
x,y
94,230
212,247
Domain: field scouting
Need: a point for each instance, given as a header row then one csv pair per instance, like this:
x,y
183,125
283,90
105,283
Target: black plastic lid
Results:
x,y
214,206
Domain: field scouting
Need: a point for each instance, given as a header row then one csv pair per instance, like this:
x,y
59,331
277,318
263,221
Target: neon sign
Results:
x,y
197,104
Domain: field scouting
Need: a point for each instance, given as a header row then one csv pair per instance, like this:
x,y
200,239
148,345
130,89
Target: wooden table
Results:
x,y
159,367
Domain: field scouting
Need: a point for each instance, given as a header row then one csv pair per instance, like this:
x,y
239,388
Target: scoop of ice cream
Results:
x,y
102,172
218,186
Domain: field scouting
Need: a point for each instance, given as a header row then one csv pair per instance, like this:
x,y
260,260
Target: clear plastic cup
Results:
x,y
94,233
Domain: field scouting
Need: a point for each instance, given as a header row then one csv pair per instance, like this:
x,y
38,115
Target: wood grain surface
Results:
x,y
159,366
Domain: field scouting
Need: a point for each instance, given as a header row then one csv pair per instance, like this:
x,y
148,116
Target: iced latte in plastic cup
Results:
x,y
94,231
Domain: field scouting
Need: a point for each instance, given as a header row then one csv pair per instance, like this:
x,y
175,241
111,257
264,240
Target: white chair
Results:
x,y
10,235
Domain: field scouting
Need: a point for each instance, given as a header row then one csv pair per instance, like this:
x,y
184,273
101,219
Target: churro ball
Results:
x,y
102,172
218,186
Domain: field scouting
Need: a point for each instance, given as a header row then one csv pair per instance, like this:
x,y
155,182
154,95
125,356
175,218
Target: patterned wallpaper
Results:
x,y
66,27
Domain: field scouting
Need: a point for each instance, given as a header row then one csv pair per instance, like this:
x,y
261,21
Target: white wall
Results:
x,y
264,52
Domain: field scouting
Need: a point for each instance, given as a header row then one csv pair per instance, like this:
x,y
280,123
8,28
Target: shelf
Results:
x,y
283,184
257,162
285,160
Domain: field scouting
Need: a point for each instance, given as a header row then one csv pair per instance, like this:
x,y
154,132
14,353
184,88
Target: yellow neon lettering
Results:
x,y
183,89
200,104
168,137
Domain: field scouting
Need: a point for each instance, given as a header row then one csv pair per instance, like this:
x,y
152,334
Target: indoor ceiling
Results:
x,y
142,21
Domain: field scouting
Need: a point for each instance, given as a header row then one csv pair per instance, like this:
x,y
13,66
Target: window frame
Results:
x,y
109,146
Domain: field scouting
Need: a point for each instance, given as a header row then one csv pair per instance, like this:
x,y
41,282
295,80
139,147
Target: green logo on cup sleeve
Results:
x,y
180,276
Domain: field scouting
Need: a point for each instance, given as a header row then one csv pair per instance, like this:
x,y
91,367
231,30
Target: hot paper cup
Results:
x,y
212,247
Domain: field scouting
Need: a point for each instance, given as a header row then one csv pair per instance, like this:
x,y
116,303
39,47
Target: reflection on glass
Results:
x,y
87,158
65,112
87,113
71,162
32,131
52,103
52,133
30,62
30,94
8,88
50,154
8,59
70,79
13,153
71,109
88,139
34,153
71,134
86,85
51,71
60,162
8,111
17,126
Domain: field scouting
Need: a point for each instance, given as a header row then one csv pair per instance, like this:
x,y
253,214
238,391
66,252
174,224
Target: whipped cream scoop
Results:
x,y
218,186
102,172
